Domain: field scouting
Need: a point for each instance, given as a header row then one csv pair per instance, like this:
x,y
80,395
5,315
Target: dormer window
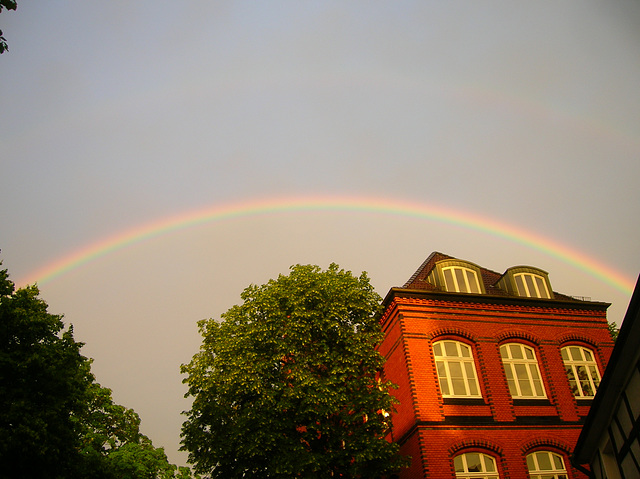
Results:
x,y
526,281
457,276
531,285
460,280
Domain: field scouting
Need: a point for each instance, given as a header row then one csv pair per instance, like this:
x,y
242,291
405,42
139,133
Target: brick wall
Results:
x,y
433,430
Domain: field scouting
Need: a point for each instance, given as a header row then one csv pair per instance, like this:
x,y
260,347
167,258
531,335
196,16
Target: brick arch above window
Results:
x,y
475,445
451,333
546,444
515,335
577,339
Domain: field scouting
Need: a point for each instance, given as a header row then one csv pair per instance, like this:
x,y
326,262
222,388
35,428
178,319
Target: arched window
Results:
x,y
582,370
456,369
522,371
474,465
546,465
531,285
461,280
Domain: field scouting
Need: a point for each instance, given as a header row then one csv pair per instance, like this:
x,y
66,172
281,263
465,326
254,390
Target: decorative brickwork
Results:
x,y
480,444
539,444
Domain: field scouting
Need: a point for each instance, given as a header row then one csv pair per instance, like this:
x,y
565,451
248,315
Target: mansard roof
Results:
x,y
419,279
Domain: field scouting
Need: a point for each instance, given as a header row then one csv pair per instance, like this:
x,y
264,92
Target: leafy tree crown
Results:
x,y
289,384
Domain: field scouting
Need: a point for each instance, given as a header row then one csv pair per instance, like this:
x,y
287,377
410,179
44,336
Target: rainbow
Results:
x,y
250,208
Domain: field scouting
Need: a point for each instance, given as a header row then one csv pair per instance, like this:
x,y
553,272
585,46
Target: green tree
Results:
x,y
43,377
111,442
288,384
9,5
56,421
613,331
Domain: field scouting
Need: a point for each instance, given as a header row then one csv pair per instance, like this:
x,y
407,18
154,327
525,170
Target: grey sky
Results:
x,y
115,116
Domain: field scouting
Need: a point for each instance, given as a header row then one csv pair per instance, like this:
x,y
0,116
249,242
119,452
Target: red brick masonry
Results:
x,y
432,430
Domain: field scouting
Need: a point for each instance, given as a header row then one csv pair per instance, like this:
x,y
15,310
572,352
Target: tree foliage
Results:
x,y
288,384
56,421
613,331
9,5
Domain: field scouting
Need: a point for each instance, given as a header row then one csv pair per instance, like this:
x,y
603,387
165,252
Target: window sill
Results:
x,y
531,402
465,401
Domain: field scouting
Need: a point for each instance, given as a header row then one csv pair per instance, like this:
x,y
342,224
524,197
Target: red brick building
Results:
x,y
496,372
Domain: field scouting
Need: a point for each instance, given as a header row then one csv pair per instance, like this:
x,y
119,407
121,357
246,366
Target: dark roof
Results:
x,y
489,278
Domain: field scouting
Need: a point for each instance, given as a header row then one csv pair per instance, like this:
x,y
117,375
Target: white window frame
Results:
x,y
456,370
522,371
487,464
468,286
533,465
572,367
537,289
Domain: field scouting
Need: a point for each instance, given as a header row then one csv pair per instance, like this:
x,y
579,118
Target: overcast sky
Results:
x,y
121,114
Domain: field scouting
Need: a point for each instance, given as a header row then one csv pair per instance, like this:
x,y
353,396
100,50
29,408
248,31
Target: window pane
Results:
x,y
564,354
489,464
516,351
521,372
473,281
504,352
534,372
450,349
471,379
544,462
462,285
558,461
530,286
473,462
520,285
581,372
594,375
458,387
448,280
508,371
442,376
572,381
525,388
455,369
529,353
542,287
530,464
466,351
468,367
587,390
575,354
539,388
444,385
585,384
458,465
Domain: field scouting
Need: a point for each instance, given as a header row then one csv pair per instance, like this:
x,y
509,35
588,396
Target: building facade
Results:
x,y
495,371
610,439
